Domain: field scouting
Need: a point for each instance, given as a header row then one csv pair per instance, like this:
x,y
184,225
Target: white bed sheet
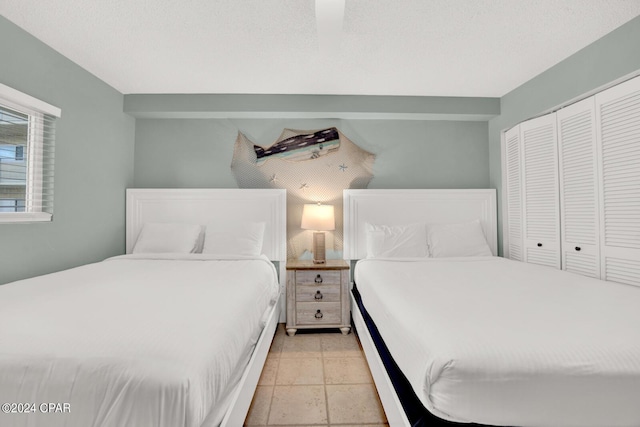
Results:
x,y
135,340
495,341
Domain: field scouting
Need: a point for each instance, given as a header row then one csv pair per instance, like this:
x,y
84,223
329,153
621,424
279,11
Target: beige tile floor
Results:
x,y
316,379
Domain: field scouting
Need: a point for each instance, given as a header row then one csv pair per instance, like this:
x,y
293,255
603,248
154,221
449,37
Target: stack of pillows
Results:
x,y
240,239
426,240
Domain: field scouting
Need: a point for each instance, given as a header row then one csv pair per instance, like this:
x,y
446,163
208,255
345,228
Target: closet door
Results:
x,y
618,118
579,205
514,192
541,211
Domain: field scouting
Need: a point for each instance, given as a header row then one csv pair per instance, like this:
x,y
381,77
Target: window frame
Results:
x,y
36,110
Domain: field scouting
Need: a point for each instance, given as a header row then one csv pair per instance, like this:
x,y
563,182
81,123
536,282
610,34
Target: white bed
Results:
x,y
168,340
489,340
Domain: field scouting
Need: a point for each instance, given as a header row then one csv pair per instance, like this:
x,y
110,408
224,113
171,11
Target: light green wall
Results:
x,y
310,106
93,164
410,153
95,139
615,55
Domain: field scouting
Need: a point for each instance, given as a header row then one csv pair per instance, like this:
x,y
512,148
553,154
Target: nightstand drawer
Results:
x,y
319,293
317,277
318,313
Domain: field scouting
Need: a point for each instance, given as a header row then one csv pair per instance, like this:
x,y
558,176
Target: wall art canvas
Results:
x,y
306,146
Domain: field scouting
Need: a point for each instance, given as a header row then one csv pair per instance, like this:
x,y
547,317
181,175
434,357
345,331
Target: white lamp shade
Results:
x,y
318,217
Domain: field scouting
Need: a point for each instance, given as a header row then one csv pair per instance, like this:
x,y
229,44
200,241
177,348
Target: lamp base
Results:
x,y
319,256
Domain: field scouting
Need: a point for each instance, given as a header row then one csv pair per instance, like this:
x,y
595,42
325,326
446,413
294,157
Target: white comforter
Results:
x,y
501,342
131,341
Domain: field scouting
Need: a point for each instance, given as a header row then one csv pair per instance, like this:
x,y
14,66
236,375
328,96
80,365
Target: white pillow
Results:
x,y
396,241
455,240
242,239
157,237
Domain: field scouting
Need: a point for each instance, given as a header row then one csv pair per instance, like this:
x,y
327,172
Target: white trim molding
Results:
x,y
28,101
25,217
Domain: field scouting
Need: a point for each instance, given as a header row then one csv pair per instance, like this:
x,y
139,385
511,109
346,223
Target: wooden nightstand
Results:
x,y
318,295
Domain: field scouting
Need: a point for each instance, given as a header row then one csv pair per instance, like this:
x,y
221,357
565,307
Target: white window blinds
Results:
x,y
27,148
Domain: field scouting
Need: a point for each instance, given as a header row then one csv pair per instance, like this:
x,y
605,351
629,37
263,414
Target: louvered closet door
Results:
x,y
579,205
514,193
541,211
618,116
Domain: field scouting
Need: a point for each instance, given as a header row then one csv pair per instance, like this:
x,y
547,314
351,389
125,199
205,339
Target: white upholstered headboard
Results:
x,y
398,207
207,206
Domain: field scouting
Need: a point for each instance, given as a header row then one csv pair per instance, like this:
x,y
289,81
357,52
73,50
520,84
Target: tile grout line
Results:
x,y
273,391
275,377
324,384
319,384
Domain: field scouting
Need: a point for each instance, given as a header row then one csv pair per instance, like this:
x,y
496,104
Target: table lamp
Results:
x,y
319,218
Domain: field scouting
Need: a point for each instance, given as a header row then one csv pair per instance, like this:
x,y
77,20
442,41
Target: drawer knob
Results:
x,y
539,245
318,279
319,314
578,248
318,295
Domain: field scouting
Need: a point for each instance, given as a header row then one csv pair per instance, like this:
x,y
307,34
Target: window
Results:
x,y
27,136
11,205
19,152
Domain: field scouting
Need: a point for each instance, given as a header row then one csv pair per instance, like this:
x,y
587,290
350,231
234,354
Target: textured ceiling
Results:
x,y
383,47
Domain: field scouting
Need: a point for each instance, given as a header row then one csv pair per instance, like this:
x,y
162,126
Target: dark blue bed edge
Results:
x,y
417,414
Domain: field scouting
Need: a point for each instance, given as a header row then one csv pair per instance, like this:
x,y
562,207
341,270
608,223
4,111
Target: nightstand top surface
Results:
x,y
331,264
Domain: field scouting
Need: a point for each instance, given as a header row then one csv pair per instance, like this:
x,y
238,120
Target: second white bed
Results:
x,y
494,341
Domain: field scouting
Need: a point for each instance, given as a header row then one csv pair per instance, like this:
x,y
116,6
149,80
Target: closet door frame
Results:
x,y
531,245
579,249
620,254
510,238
